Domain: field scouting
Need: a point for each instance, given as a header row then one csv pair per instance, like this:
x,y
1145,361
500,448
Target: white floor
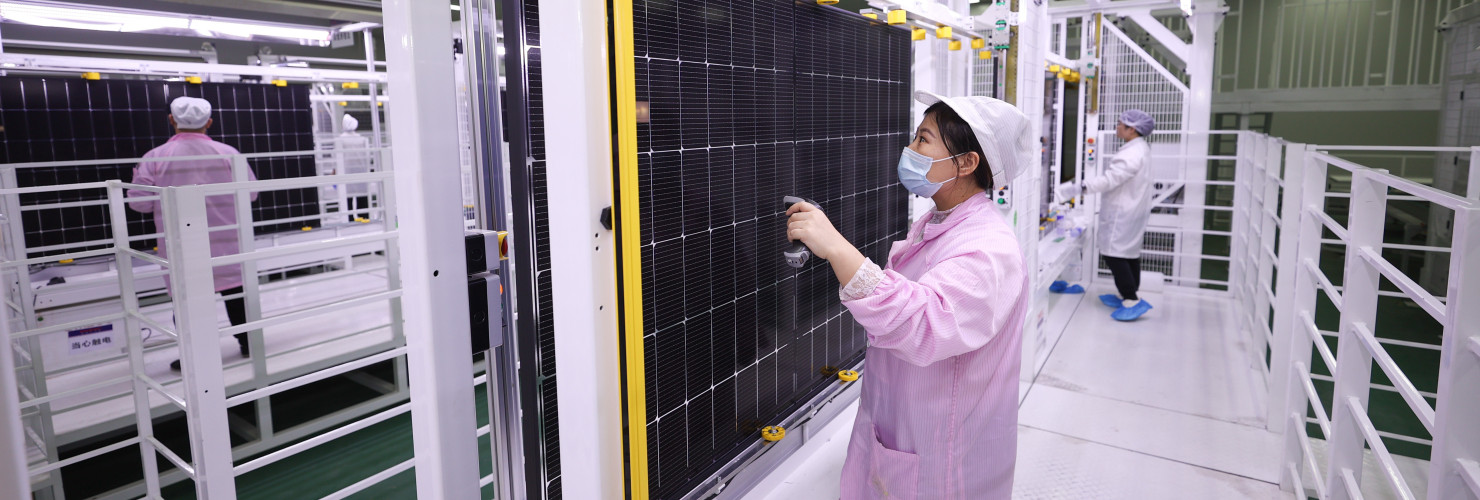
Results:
x,y
1167,407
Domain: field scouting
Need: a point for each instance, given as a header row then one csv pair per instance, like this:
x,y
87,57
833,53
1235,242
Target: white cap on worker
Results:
x,y
1002,130
350,123
190,112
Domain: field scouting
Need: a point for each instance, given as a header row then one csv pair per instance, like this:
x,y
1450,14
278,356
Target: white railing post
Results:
x,y
1243,201
1359,306
246,241
1456,435
1281,359
144,420
1269,170
1307,247
187,236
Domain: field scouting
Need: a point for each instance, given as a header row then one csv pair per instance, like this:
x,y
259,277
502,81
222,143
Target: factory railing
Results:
x,y
204,391
1318,329
1372,299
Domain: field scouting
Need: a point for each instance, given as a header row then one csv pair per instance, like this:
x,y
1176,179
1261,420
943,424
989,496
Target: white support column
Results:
x,y
583,267
187,236
1456,437
1285,333
434,273
1358,306
1205,20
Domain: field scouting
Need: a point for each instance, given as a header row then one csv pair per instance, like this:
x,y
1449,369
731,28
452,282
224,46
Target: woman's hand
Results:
x,y
810,226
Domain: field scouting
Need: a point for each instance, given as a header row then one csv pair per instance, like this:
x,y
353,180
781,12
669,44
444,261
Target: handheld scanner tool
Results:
x,y
797,254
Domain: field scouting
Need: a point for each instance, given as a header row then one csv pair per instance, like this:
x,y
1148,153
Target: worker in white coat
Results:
x,y
1125,207
354,158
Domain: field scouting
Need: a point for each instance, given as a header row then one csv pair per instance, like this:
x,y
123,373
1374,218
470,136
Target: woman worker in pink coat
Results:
x,y
944,316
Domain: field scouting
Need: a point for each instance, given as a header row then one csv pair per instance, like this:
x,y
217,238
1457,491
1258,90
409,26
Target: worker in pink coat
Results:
x,y
944,316
191,117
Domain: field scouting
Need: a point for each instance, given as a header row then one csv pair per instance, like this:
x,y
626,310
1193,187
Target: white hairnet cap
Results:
x,y
1002,130
350,123
190,112
1139,120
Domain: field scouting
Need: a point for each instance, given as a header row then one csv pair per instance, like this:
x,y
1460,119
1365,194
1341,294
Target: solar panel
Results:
x,y
62,119
750,101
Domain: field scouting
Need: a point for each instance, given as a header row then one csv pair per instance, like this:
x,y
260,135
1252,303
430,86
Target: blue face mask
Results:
x,y
912,169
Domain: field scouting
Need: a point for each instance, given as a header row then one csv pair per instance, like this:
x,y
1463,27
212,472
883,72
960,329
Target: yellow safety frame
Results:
x,y
629,236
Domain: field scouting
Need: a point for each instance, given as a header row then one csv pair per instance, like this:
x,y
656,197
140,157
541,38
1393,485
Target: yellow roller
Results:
x,y
978,44
898,17
943,32
918,34
955,45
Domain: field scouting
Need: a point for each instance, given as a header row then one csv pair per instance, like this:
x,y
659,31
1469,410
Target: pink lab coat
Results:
x,y
938,414
220,211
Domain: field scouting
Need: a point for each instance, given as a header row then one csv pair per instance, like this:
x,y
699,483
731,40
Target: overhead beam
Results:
x,y
1110,7
933,13
34,62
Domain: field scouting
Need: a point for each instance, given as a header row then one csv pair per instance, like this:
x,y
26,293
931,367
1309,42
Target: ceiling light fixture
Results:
x,y
74,16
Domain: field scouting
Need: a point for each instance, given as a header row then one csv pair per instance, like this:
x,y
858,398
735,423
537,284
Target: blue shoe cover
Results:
x,y
1111,300
1131,313
1058,286
1074,289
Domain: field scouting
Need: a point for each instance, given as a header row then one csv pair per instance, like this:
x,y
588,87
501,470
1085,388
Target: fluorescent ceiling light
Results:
x,y
74,16
81,18
357,27
248,30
